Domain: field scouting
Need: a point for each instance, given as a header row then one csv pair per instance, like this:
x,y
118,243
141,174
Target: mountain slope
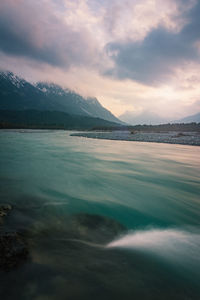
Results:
x,y
189,119
146,117
73,103
18,94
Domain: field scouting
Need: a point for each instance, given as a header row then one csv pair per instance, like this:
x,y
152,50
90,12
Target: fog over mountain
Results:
x,y
193,118
18,94
151,118
146,117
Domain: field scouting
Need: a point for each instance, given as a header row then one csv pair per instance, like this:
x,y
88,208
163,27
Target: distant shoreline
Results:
x,y
190,138
172,137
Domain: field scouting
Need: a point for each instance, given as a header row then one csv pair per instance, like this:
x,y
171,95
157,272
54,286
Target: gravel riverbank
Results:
x,y
173,137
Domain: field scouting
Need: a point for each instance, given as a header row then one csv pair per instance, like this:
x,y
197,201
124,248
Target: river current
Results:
x,y
65,190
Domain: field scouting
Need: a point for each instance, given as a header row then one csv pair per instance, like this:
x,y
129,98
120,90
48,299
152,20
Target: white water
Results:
x,y
172,244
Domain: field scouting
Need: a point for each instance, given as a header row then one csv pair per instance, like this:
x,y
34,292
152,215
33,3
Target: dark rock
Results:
x,y
180,134
4,210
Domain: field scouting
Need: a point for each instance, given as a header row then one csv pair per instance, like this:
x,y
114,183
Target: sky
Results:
x,y
132,55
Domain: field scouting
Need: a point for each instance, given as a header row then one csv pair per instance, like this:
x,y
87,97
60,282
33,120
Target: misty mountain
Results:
x,y
148,118
193,118
18,94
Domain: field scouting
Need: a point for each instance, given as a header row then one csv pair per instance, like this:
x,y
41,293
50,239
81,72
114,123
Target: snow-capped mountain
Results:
x,y
18,94
14,79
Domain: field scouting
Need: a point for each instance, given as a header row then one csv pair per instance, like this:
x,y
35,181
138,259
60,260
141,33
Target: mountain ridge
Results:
x,y
191,118
18,94
151,118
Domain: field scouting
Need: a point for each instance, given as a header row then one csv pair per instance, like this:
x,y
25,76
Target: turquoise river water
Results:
x,y
153,190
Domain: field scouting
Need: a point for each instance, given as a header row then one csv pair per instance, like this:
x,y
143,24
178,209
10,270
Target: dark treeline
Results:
x,y
183,127
35,119
7,125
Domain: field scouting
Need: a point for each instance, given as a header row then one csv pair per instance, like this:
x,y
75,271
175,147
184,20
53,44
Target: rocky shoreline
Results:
x,y
172,137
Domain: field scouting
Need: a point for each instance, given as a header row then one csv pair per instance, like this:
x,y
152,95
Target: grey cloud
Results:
x,y
155,58
32,29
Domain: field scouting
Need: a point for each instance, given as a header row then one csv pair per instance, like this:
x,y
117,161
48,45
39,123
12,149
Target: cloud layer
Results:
x,y
155,58
34,29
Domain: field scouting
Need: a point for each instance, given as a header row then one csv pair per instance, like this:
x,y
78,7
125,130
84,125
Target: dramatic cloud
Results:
x,y
66,32
155,58
33,29
133,20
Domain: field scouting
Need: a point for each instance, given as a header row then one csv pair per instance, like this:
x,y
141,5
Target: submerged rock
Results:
x,y
76,243
83,226
96,228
